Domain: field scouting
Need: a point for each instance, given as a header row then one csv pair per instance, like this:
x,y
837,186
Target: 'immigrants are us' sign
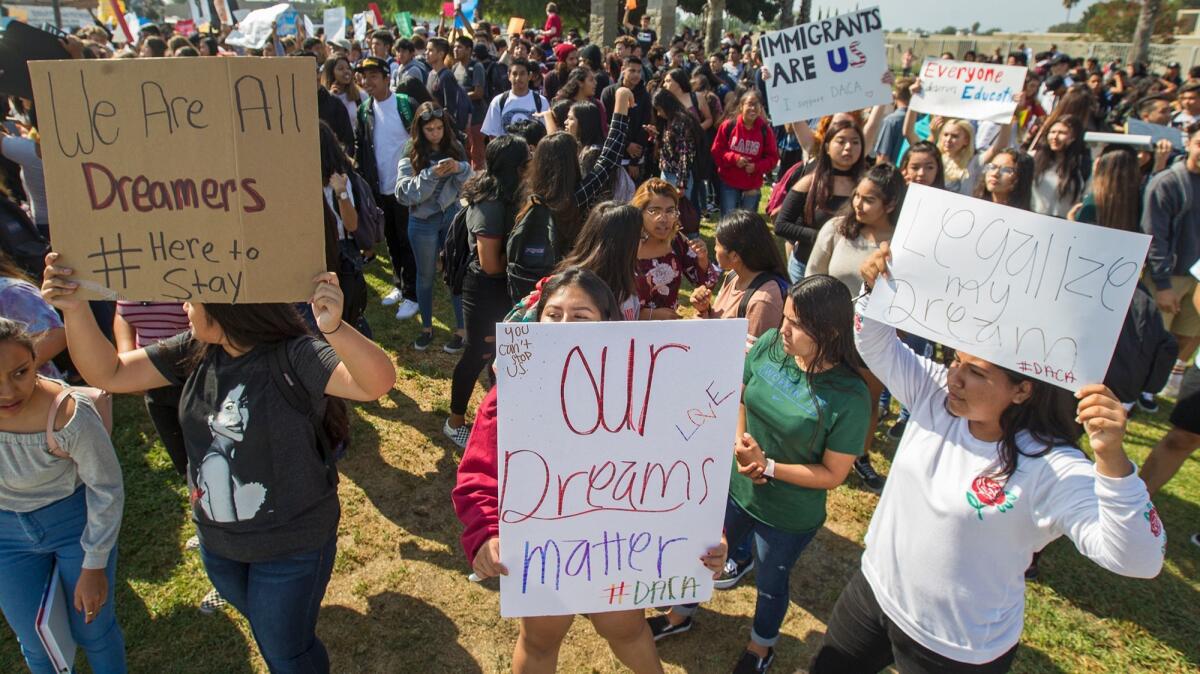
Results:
x,y
833,65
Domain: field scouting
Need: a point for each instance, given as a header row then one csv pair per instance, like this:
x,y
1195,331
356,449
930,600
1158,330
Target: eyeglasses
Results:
x,y
1002,170
657,212
436,113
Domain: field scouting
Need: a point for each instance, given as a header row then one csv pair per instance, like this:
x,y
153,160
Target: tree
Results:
x,y
975,28
1139,51
1116,20
1069,5
805,15
948,30
712,29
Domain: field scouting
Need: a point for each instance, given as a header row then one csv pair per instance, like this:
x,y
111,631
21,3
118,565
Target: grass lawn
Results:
x,y
400,600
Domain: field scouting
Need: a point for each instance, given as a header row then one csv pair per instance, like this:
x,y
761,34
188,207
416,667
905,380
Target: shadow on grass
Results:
x,y
716,642
1165,606
398,633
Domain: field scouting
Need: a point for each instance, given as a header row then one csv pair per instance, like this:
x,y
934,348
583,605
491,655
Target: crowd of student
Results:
x,y
553,180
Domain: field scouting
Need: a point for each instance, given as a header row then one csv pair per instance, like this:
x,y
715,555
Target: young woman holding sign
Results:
x,y
987,473
804,416
264,494
574,295
962,164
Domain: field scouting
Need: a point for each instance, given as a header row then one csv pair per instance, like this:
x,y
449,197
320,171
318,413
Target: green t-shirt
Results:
x,y
782,416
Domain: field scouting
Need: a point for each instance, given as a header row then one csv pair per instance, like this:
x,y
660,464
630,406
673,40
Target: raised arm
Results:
x,y
366,372
999,143
95,356
610,153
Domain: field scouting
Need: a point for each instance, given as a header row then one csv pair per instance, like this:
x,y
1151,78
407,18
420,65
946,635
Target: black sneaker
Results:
x,y
732,573
752,664
897,430
423,341
455,345
1195,539
660,626
872,480
1148,403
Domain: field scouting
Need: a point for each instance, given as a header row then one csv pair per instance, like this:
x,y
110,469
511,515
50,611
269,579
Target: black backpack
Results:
x,y
495,80
330,420
531,249
21,240
456,252
758,282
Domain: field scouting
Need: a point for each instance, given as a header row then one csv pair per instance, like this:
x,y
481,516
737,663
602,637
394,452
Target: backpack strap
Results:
x,y
404,107
758,282
51,416
537,101
292,389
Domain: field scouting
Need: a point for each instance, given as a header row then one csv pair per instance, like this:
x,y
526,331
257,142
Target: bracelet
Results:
x,y
339,327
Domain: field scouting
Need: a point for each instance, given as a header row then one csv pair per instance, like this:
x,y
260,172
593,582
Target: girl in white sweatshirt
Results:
x,y
987,473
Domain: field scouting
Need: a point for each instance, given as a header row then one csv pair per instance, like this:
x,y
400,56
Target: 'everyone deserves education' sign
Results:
x,y
183,179
983,91
615,452
1038,295
833,65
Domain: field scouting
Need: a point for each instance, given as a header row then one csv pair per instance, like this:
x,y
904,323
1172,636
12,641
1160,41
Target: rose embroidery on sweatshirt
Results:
x,y
987,492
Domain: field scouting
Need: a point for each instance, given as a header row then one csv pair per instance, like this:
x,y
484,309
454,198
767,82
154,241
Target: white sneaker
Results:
x,y
391,298
192,543
1171,390
407,310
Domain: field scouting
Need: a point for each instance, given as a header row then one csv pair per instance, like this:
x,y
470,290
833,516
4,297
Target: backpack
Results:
x,y
21,240
758,282
531,249
537,104
456,253
330,420
403,105
370,216
780,189
495,80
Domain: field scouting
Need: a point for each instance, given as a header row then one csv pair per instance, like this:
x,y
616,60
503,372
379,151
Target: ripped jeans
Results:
x,y
775,552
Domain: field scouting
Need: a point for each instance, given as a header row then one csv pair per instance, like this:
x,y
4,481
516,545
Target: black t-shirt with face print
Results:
x,y
258,486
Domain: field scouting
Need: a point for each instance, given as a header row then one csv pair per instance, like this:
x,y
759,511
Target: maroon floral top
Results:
x,y
658,278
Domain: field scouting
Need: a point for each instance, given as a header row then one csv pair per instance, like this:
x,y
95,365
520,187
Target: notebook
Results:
x,y
54,624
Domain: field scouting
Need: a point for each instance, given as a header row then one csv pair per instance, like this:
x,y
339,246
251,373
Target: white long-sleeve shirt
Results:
x,y
947,547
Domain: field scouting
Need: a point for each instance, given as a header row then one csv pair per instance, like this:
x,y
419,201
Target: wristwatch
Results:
x,y
769,471
343,195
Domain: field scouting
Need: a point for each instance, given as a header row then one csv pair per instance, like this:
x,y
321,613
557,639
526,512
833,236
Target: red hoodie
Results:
x,y
735,140
477,495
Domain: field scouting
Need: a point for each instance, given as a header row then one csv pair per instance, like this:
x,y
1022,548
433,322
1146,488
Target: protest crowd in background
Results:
x,y
546,179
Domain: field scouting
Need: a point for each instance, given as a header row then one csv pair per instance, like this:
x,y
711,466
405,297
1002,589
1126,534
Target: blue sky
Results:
x,y
931,15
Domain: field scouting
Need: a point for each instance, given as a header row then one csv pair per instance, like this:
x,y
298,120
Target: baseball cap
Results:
x,y
371,62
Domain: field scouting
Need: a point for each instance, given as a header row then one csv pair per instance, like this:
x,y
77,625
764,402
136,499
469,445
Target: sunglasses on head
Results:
x,y
435,113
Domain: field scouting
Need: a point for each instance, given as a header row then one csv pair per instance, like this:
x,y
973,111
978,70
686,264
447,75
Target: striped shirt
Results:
x,y
153,322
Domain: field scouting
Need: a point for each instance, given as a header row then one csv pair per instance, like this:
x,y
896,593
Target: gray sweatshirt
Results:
x,y
32,478
425,194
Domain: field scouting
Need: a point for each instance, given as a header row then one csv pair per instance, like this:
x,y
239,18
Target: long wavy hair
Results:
x,y
569,91
421,151
552,178
1047,416
328,78
1117,205
607,245
890,183
957,166
747,234
821,189
1022,192
926,147
1072,163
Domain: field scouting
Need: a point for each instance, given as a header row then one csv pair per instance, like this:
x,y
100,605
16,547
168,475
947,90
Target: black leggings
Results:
x,y
162,404
861,638
395,232
485,303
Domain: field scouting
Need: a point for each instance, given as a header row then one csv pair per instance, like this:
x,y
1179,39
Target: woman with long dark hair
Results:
x,y
1062,167
430,176
264,489
803,420
1110,202
988,472
962,164
665,256
572,295
679,139
1007,180
922,164
821,192
491,198
755,282
337,76
744,151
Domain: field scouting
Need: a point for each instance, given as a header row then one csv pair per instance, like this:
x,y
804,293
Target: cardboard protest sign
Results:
x,y
1156,132
983,91
334,21
516,24
833,65
183,179
615,451
1038,295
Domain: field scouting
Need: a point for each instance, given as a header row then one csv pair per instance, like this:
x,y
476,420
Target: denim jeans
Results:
x,y
280,599
776,552
795,269
427,236
733,199
30,543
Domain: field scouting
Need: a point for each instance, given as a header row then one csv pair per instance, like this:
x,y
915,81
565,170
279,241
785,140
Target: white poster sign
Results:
x,y
200,13
360,27
254,31
1038,295
833,65
334,21
983,91
615,452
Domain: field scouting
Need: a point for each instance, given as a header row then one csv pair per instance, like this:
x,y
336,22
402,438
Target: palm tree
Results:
x,y
805,15
1069,5
1139,51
